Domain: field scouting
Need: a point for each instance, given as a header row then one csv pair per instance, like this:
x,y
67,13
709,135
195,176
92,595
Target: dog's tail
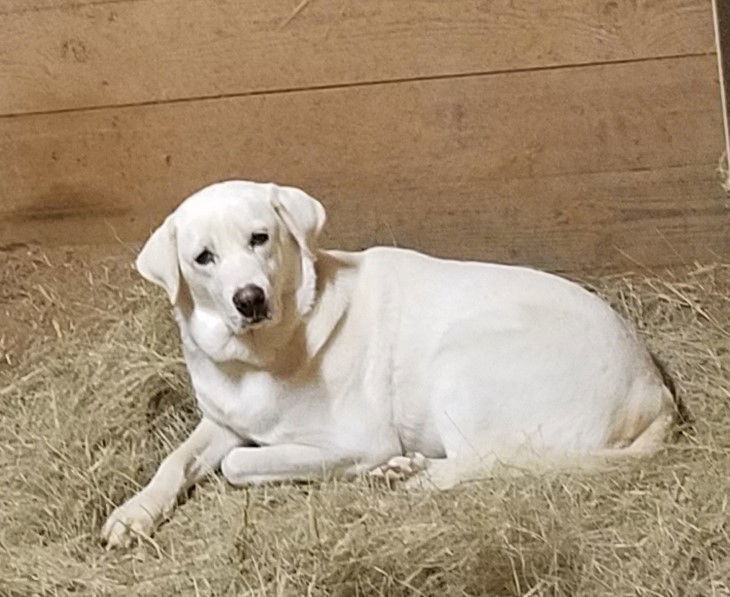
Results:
x,y
672,418
682,416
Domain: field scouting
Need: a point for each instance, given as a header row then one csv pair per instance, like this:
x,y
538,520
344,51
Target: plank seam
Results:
x,y
356,84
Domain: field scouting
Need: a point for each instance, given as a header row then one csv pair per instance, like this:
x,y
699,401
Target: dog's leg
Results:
x,y
200,454
244,466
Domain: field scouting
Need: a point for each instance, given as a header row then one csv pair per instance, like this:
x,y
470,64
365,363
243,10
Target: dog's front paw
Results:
x,y
399,468
134,519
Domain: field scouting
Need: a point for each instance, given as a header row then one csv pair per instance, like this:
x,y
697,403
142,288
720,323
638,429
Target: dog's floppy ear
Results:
x,y
158,263
304,217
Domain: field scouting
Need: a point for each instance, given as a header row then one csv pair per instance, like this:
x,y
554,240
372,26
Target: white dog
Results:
x,y
308,362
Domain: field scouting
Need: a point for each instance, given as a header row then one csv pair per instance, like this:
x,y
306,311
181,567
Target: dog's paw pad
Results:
x,y
129,523
399,468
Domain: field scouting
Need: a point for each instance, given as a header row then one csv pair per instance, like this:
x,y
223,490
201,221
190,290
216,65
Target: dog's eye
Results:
x,y
205,257
259,238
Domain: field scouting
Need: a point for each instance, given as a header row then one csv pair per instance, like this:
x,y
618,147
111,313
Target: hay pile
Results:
x,y
87,415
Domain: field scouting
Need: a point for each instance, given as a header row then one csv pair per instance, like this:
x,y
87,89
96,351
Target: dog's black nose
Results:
x,y
250,301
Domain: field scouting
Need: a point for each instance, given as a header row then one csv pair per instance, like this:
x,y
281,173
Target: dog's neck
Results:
x,y
293,341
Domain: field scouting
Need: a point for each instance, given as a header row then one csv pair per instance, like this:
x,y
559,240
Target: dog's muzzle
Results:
x,y
250,301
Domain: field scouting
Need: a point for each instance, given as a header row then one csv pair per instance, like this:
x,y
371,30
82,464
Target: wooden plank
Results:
x,y
597,222
552,168
129,52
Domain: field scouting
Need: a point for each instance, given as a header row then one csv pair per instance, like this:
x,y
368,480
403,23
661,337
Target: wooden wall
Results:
x,y
569,134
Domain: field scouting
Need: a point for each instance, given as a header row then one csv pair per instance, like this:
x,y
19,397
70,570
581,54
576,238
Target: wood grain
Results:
x,y
21,6
559,168
89,54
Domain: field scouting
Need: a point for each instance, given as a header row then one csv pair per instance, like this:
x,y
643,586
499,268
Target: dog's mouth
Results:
x,y
258,318
254,321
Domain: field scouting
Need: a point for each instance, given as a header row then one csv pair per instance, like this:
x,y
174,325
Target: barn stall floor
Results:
x,y
93,393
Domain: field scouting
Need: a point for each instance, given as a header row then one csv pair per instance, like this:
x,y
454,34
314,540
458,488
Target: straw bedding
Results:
x,y
91,405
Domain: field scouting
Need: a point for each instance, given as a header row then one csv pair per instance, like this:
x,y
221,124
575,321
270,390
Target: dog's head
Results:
x,y
242,249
